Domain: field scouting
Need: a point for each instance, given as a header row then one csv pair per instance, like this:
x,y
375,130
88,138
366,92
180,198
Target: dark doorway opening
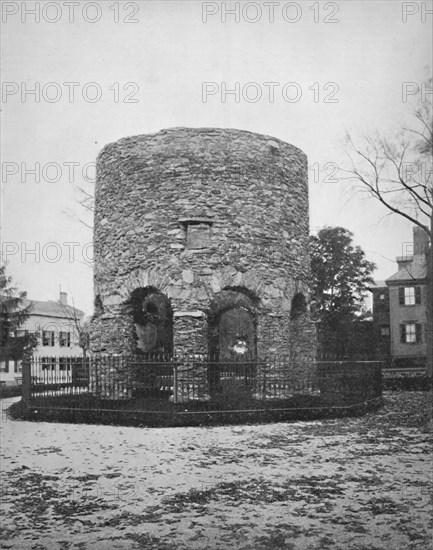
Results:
x,y
153,320
232,341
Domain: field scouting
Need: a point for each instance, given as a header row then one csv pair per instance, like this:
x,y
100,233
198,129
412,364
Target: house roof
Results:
x,y
378,284
51,309
410,272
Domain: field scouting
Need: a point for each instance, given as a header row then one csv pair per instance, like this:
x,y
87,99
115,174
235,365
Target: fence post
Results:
x,y
175,383
96,367
27,381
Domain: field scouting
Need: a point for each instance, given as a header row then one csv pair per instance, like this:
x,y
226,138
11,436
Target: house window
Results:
x,y
65,339
409,295
384,330
48,338
48,364
64,363
410,333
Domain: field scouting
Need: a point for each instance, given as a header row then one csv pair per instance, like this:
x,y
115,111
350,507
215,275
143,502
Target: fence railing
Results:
x,y
57,374
409,366
198,378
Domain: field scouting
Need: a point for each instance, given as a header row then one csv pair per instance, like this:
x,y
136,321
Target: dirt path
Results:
x,y
334,484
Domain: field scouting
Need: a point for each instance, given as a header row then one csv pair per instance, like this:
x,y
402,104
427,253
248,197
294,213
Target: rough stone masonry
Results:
x,y
201,245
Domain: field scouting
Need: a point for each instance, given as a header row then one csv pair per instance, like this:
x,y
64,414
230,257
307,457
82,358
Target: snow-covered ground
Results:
x,y
335,484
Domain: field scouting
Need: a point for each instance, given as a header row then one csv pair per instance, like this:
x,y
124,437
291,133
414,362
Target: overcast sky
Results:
x,y
148,61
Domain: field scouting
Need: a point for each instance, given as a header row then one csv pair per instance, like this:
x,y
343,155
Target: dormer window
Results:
x,y
198,232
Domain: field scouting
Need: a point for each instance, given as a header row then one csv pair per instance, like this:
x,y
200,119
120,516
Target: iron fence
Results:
x,y
405,367
57,375
176,379
161,382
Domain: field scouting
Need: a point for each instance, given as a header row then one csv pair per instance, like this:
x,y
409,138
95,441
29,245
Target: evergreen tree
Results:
x,y
13,314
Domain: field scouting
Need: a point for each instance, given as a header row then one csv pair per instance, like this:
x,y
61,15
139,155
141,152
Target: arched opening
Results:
x,y
98,306
232,324
298,307
153,320
232,338
236,333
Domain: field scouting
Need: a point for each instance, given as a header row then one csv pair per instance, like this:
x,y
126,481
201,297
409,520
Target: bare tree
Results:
x,y
81,327
86,206
86,201
84,215
398,173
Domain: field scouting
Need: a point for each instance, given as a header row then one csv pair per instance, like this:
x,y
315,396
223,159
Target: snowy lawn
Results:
x,y
355,483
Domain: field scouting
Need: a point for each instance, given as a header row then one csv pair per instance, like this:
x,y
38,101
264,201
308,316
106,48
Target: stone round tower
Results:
x,y
201,245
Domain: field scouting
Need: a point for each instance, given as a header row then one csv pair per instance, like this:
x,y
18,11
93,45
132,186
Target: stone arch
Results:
x,y
152,316
143,278
229,277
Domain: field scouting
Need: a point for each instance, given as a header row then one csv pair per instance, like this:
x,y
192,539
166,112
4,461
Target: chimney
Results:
x,y
403,262
63,298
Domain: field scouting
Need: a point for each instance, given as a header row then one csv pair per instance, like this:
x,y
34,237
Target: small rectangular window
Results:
x,y
198,236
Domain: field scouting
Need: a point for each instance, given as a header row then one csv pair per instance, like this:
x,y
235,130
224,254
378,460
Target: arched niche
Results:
x,y
298,307
153,319
232,323
98,306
